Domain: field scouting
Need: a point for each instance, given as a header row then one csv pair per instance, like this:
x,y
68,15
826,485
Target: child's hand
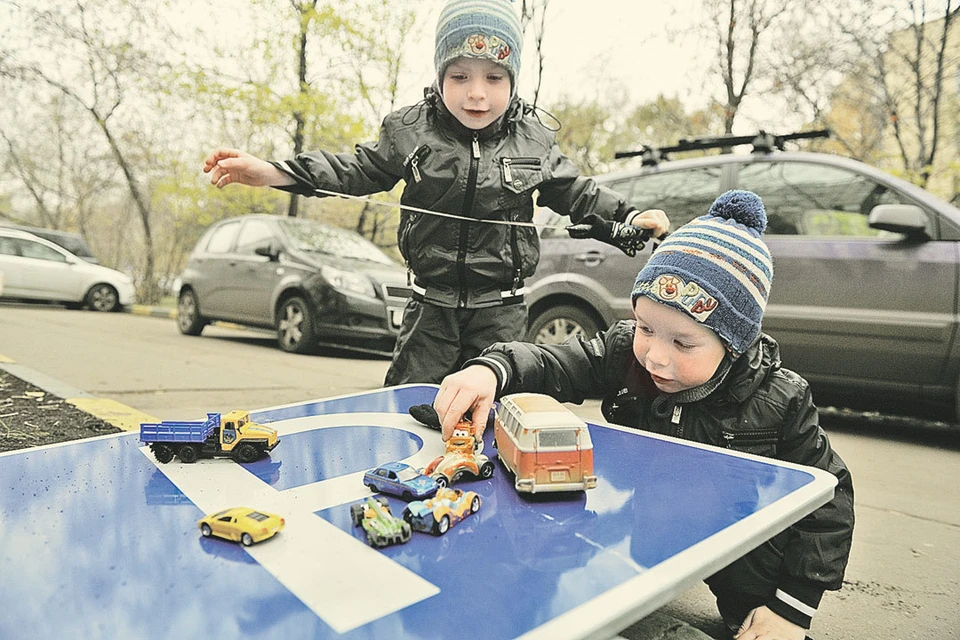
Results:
x,y
654,219
763,624
227,166
473,388
626,237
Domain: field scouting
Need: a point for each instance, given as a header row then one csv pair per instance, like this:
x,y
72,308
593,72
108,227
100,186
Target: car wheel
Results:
x,y
486,471
558,324
295,326
475,504
443,525
163,453
407,496
206,530
246,539
188,453
246,452
372,487
102,297
189,320
356,514
441,481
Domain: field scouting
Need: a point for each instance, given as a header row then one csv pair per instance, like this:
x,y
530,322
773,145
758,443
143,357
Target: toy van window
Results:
x,y
557,438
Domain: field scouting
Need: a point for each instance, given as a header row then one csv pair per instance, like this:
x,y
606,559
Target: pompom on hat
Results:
x,y
479,29
716,269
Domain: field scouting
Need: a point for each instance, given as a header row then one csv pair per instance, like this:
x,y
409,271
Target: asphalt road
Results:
x,y
903,580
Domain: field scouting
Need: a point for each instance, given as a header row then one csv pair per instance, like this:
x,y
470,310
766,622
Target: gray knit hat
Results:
x,y
479,29
716,269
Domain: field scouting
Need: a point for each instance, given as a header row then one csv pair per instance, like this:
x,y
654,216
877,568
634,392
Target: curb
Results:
x,y
165,312
111,411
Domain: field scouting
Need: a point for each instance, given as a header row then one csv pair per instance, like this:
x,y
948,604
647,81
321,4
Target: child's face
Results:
x,y
677,351
476,91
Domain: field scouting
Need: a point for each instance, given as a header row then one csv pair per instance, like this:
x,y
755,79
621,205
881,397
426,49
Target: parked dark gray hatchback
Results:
x,y
314,283
866,272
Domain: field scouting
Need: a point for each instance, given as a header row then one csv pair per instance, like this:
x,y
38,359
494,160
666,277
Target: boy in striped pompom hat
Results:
x,y
695,364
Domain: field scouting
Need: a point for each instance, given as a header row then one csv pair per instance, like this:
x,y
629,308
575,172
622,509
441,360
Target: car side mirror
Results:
x,y
270,250
907,219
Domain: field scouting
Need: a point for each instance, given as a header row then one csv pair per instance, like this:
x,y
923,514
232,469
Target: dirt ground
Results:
x,y
30,417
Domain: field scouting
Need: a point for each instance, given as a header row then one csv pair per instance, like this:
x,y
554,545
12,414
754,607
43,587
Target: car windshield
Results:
x,y
316,237
407,474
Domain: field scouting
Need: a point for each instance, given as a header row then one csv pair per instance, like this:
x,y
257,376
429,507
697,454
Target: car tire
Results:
x,y
246,539
486,470
206,530
294,322
556,325
443,525
475,504
189,320
356,514
102,297
372,487
246,452
188,454
441,481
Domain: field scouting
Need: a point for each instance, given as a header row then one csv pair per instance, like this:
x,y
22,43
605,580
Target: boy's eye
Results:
x,y
459,77
645,330
495,77
683,346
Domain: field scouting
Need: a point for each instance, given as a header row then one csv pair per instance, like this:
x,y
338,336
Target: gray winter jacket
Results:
x,y
759,408
490,174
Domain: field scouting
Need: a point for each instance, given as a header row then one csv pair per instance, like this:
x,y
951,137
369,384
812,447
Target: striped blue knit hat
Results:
x,y
479,29
716,269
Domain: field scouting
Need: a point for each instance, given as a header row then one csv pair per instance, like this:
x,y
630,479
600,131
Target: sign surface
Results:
x,y
97,539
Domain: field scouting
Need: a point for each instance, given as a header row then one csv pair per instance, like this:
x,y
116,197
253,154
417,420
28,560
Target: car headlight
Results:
x,y
349,282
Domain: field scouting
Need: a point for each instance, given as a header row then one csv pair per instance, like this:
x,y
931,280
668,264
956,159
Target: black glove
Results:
x,y
625,237
426,415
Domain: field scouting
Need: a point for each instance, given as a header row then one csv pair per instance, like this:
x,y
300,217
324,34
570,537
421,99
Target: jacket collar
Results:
x,y
752,367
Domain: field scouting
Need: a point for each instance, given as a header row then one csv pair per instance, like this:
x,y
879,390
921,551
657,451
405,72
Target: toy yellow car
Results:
x,y
241,524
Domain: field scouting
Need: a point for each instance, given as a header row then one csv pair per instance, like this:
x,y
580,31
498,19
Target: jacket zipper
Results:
x,y
508,162
464,226
747,436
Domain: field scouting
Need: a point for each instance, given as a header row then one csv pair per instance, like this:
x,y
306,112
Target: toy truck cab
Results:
x,y
544,444
243,438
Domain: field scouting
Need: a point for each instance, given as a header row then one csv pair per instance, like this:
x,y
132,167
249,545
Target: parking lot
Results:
x,y
901,582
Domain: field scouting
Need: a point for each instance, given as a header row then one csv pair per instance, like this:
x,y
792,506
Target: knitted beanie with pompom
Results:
x,y
716,269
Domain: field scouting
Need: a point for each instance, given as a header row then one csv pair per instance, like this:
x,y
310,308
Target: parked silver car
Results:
x,y
866,272
314,283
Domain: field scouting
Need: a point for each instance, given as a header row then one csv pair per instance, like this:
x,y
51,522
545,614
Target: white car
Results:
x,y
37,269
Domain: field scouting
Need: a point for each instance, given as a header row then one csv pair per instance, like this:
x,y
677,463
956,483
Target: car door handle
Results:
x,y
590,258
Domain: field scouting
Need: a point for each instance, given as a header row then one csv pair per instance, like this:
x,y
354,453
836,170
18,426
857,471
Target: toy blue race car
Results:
x,y
399,479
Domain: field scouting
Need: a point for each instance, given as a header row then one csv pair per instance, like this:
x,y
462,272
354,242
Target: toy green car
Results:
x,y
382,527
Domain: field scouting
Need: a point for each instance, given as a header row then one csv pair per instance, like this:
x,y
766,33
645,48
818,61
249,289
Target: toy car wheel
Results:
x,y
246,452
188,453
189,320
407,496
442,526
407,515
246,539
294,321
383,501
163,453
372,487
441,480
486,470
206,530
356,514
475,504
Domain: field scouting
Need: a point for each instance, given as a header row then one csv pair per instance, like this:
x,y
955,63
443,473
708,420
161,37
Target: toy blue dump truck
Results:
x,y
230,436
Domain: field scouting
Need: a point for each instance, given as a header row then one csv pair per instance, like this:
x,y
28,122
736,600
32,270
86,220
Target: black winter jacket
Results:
x,y
759,408
488,175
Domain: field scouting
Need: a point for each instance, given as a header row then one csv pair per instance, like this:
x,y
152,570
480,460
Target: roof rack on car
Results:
x,y
762,142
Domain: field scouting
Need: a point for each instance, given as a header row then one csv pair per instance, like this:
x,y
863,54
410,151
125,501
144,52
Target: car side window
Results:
x,y
253,234
8,247
803,198
221,240
683,194
30,249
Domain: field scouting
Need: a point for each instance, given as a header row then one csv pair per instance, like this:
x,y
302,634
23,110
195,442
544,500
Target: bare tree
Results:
x,y
533,13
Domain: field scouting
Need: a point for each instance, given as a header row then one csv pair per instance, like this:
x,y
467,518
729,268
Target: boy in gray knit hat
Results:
x,y
474,151
696,365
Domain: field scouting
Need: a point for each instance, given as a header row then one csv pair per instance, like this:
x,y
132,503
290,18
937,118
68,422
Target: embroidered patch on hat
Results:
x,y
689,295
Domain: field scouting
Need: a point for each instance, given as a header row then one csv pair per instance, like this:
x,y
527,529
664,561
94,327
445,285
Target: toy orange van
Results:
x,y
544,444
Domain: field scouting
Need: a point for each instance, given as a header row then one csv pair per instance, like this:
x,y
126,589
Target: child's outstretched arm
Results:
x,y
228,166
471,389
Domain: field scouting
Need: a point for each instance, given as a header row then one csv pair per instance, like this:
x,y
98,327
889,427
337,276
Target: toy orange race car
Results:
x,y
442,511
462,457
